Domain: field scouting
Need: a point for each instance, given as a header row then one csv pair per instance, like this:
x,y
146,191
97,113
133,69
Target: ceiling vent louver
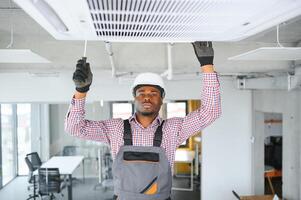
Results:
x,y
163,20
157,19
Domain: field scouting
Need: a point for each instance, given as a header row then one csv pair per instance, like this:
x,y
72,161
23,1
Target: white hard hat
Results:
x,y
149,79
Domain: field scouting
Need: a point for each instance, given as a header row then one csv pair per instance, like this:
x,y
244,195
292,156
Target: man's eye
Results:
x,y
140,94
152,94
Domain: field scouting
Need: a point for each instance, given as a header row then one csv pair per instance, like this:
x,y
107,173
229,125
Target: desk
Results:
x,y
184,156
258,197
66,165
253,197
269,173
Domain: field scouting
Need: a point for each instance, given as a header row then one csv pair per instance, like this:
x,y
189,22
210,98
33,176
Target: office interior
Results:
x,y
252,149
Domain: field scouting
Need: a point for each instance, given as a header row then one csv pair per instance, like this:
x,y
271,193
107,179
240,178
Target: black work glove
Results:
x,y
204,52
82,76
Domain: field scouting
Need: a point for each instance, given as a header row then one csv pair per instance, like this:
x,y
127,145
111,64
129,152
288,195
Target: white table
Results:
x,y
185,156
66,165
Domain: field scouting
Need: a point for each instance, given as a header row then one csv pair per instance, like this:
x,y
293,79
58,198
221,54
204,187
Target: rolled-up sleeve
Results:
x,y
207,113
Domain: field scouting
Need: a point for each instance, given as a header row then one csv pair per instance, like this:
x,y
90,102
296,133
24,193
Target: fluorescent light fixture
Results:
x,y
270,53
20,56
44,74
50,15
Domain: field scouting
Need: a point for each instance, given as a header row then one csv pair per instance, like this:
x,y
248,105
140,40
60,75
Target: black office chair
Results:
x,y
49,182
71,151
31,179
35,160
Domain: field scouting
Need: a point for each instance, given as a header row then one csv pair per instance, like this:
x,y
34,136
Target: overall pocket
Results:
x,y
140,172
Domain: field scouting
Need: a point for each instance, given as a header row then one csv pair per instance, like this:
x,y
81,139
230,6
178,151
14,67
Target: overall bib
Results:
x,y
141,172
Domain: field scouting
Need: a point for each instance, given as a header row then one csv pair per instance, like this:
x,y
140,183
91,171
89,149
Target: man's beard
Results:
x,y
147,113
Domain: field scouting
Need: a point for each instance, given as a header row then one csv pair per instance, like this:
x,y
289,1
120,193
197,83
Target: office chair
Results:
x,y
31,179
71,151
35,160
49,182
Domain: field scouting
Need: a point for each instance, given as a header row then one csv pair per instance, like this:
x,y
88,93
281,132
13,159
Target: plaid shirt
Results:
x,y
175,130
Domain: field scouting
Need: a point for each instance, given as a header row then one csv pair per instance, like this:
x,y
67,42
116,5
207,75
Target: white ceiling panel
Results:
x,y
158,20
271,53
20,56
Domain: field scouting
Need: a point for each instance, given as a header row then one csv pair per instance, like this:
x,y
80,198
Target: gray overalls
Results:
x,y
141,172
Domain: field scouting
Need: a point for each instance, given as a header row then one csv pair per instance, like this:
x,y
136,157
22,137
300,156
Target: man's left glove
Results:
x,y
82,76
204,52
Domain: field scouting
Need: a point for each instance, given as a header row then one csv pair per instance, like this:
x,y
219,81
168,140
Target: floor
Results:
x,y
17,190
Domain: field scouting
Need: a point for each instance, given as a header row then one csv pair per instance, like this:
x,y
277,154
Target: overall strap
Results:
x,y
127,135
158,136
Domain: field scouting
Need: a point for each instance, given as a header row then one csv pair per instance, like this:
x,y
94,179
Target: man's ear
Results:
x,y
162,94
161,103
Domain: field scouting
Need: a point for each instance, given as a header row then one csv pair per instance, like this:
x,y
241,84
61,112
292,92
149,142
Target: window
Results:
x,y
15,134
176,109
7,143
122,110
24,136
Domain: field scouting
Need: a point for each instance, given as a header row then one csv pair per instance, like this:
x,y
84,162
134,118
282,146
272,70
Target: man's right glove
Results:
x,y
82,76
204,52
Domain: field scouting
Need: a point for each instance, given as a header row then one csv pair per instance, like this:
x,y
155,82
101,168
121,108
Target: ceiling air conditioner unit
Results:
x,y
158,20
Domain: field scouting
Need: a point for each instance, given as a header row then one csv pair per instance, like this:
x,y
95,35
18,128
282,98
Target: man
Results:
x,y
143,147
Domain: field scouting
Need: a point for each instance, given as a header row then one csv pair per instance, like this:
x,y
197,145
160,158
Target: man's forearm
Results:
x,y
79,95
208,69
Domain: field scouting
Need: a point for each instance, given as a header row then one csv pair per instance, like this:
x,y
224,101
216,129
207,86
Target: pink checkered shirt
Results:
x,y
175,130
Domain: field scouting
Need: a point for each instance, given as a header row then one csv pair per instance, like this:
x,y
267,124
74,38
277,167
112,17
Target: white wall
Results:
x,y
258,153
287,103
226,147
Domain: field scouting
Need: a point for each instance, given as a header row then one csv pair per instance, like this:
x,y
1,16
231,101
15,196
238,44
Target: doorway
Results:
x,y
273,153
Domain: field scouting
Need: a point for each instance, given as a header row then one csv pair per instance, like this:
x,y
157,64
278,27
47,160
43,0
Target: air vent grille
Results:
x,y
162,19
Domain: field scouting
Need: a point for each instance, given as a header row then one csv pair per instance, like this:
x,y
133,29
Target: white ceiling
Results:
x,y
134,57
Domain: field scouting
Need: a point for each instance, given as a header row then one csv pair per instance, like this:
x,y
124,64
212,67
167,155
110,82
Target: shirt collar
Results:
x,y
157,121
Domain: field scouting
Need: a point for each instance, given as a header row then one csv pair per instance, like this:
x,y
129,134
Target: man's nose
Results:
x,y
147,97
